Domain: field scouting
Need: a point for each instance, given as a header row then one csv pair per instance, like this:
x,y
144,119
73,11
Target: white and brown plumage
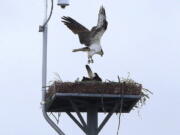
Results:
x,y
90,38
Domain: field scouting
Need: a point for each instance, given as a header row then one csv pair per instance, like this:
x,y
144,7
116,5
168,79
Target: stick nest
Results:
x,y
125,86
95,88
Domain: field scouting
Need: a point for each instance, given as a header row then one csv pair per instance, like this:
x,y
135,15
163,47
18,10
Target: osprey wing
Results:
x,y
73,25
101,17
77,28
98,31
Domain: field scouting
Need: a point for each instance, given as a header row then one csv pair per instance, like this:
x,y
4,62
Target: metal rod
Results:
x,y
44,70
107,117
78,113
98,95
92,120
77,122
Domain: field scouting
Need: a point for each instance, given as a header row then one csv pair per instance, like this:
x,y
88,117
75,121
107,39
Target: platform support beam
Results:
x,y
92,120
107,118
74,106
77,122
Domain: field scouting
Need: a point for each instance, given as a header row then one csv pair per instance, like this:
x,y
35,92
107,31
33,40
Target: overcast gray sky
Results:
x,y
142,38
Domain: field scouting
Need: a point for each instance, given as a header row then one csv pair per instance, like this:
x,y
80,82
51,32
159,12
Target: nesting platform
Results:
x,y
105,96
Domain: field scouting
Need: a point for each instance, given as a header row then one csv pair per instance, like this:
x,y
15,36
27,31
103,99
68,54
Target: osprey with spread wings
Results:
x,y
90,38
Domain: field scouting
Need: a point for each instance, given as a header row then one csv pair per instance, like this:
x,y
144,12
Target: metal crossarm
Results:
x,y
77,122
78,113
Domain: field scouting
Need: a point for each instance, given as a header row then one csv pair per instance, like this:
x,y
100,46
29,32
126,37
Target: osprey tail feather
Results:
x,y
81,49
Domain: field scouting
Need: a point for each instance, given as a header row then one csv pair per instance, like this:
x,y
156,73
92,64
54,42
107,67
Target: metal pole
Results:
x,y
92,120
44,70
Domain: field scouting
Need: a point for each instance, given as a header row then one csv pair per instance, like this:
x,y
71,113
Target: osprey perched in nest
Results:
x,y
91,76
90,38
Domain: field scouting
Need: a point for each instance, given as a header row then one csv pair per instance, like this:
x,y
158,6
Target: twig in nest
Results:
x,y
148,91
57,77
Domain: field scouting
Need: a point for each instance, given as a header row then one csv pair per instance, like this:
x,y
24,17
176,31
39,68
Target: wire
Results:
x,y
119,123
121,106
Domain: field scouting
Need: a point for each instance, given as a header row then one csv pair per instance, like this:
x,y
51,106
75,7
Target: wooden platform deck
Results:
x,y
62,102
